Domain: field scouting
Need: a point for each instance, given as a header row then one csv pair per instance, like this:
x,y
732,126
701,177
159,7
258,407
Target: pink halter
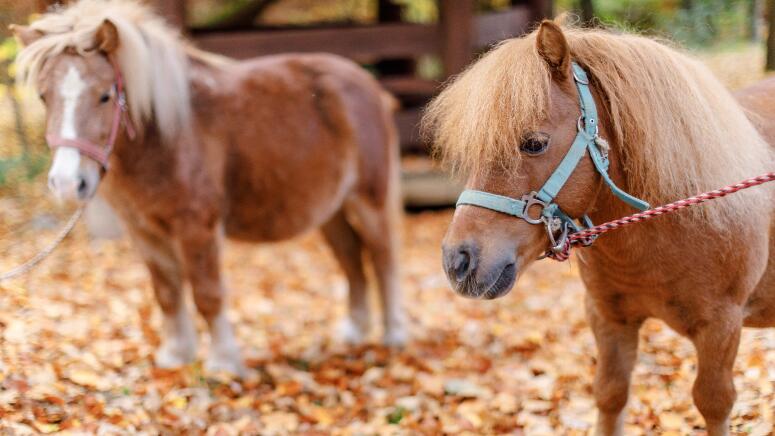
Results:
x,y
91,150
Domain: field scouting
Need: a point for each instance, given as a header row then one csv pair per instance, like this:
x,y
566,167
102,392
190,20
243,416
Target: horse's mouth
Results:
x,y
489,290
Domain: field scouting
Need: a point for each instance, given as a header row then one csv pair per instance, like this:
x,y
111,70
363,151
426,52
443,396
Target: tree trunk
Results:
x,y
587,12
771,36
753,20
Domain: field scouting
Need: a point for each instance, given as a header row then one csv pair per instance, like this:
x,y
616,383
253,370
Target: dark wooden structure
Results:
x,y
390,45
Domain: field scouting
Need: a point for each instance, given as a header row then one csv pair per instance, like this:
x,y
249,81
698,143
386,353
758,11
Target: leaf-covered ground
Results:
x,y
78,333
77,336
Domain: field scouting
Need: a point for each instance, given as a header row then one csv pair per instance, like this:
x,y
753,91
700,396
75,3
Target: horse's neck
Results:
x,y
637,247
142,162
660,251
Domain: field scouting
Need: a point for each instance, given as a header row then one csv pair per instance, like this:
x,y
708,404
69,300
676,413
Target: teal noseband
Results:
x,y
558,224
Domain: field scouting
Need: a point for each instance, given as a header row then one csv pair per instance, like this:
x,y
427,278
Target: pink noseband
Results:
x,y
91,150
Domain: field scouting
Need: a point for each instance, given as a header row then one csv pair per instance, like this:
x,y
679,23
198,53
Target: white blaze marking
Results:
x,y
70,89
67,160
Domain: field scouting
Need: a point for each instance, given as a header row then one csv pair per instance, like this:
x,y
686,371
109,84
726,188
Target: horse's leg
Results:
x,y
348,251
714,389
179,339
617,349
379,231
200,248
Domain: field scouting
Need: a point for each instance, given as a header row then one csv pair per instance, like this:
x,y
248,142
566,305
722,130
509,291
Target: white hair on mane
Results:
x,y
151,55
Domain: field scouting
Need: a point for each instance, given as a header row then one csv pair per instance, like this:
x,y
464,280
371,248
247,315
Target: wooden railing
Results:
x,y
459,34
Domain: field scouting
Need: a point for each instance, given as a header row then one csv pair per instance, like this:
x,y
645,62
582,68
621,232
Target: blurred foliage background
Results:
x,y
708,26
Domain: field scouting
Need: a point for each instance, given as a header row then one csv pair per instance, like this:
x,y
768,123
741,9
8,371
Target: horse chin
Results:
x,y
494,286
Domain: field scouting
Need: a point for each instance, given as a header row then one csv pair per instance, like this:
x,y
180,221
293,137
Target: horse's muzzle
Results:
x,y
470,278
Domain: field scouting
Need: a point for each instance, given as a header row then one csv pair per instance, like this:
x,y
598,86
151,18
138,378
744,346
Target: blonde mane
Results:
x,y
679,131
152,56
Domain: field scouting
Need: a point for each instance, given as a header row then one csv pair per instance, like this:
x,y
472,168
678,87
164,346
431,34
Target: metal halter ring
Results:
x,y
557,244
530,201
580,126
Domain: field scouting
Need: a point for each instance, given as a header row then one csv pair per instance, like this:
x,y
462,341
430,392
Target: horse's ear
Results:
x,y
107,37
554,49
25,34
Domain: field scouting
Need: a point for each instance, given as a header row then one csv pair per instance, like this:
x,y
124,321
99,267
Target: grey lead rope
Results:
x,y
28,265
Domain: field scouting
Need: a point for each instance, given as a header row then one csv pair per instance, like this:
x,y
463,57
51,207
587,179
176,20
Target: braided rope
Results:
x,y
592,232
28,265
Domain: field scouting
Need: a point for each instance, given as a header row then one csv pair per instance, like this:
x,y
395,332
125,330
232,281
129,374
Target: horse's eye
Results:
x,y
105,97
535,143
42,98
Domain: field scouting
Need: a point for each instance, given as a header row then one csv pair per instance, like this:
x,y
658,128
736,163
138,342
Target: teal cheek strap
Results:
x,y
538,207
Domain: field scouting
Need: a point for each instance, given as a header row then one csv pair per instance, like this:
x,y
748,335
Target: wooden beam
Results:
x,y
457,33
409,86
367,42
494,27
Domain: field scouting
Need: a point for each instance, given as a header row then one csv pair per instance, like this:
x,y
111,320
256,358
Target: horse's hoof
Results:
x,y
172,354
349,332
225,363
395,336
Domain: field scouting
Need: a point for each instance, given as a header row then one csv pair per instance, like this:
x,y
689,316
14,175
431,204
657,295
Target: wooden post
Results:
x,y
587,13
456,21
753,20
391,12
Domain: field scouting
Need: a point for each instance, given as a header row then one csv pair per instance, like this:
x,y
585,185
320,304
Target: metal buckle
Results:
x,y
531,200
557,244
582,128
578,79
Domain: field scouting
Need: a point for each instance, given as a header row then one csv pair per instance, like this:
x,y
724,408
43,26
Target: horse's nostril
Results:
x,y
461,264
82,187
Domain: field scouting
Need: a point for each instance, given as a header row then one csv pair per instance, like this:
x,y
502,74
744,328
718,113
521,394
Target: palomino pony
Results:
x,y
522,122
260,150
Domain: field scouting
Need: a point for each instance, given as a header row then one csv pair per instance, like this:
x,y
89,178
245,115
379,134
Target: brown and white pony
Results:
x,y
260,150
673,131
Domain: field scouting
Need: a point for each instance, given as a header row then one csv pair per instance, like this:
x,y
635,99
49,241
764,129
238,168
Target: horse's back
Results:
x,y
309,131
759,100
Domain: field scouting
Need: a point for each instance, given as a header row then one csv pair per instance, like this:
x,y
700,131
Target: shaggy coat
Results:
x,y
260,150
674,131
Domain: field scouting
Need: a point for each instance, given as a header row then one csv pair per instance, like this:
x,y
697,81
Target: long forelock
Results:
x,y
151,56
478,120
679,131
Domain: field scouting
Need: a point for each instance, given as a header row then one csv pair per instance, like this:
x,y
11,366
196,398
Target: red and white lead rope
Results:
x,y
584,235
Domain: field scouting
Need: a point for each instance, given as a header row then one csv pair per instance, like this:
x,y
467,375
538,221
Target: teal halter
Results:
x,y
558,224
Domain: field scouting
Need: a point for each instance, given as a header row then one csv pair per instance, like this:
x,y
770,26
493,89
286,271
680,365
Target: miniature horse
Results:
x,y
260,150
668,130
